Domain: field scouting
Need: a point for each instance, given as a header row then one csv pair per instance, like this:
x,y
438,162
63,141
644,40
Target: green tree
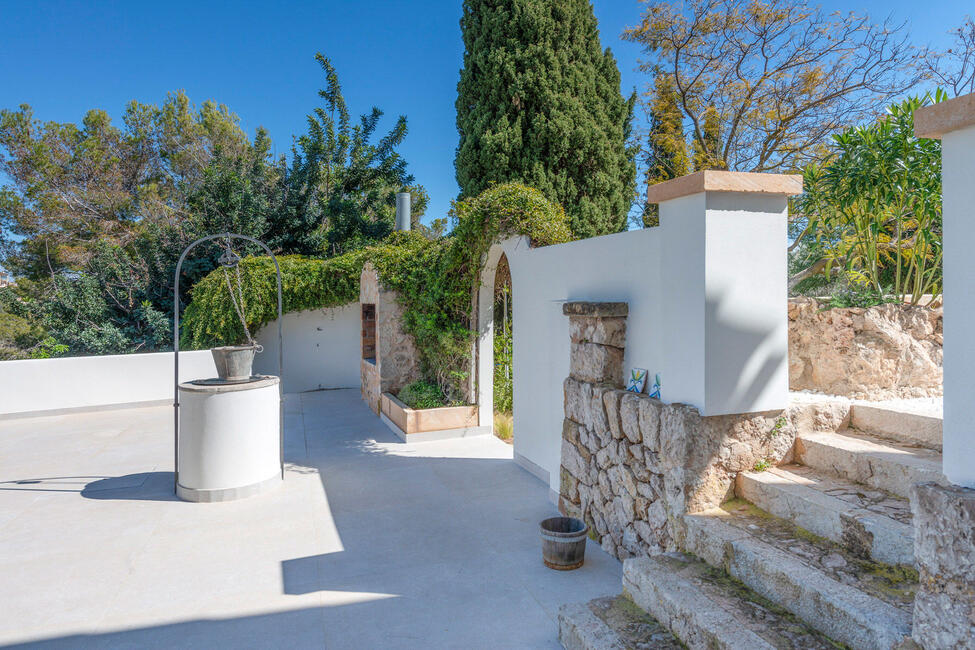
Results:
x,y
340,193
666,152
539,102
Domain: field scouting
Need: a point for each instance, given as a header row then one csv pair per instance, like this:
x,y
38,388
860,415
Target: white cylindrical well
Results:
x,y
229,444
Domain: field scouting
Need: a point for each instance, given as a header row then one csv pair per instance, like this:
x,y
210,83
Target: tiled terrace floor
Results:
x,y
369,543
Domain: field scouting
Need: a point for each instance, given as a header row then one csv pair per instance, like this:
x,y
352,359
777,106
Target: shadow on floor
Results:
x,y
144,486
279,629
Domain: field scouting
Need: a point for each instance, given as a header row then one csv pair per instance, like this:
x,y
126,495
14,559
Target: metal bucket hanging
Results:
x,y
234,362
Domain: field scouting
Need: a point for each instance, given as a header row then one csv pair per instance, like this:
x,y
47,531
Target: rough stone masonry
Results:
x,y
632,466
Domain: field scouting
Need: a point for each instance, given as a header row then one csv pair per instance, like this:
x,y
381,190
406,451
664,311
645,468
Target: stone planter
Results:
x,y
417,425
234,362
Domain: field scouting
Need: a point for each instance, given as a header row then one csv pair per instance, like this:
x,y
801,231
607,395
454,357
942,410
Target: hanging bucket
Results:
x,y
563,542
234,362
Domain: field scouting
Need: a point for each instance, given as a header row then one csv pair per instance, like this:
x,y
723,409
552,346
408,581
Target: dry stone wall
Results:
x,y
880,352
632,466
397,361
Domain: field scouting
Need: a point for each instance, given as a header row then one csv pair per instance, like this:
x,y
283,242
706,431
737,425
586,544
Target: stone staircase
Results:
x,y
818,553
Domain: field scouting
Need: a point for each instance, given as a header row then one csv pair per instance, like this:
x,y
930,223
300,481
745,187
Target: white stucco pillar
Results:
x,y
725,297
953,122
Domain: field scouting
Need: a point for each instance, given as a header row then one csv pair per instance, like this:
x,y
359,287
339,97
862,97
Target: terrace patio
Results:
x,y
369,542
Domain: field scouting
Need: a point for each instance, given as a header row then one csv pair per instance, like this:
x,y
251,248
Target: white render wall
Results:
x,y
707,311
321,349
74,383
958,187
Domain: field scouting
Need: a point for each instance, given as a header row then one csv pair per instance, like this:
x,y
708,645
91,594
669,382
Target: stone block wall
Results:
x,y
880,352
632,466
944,549
397,361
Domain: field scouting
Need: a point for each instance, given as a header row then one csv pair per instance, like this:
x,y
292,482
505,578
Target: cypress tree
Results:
x,y
539,102
666,147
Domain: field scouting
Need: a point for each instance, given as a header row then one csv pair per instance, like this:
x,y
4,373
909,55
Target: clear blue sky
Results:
x,y
63,58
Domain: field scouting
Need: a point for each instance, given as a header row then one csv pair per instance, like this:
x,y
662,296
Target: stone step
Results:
x,y
706,608
611,623
861,603
870,523
899,424
869,460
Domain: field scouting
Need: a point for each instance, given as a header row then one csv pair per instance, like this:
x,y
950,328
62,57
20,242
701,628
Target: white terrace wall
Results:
x,y
80,383
321,349
707,310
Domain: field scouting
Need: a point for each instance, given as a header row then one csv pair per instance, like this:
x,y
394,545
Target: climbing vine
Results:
x,y
435,280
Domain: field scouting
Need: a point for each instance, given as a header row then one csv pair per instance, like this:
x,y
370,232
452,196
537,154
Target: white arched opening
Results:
x,y
485,338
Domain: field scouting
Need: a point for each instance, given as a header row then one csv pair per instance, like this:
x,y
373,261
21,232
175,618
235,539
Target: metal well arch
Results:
x,y
179,265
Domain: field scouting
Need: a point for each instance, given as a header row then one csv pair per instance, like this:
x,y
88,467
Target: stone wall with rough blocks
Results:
x,y
880,352
632,466
944,549
397,361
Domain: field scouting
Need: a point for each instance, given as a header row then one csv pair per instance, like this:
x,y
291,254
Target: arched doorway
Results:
x,y
495,344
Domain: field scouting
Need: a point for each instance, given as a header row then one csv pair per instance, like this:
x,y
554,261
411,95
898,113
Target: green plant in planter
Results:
x,y
422,395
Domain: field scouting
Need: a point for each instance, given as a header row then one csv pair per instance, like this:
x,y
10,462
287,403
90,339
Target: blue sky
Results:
x,y
63,58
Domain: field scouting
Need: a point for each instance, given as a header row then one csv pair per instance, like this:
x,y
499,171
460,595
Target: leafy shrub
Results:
x,y
435,281
873,209
855,296
422,395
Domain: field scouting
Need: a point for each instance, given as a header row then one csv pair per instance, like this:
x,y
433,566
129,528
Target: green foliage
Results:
x,y
761,466
666,155
341,187
859,297
539,103
435,279
17,335
873,210
94,216
422,395
503,384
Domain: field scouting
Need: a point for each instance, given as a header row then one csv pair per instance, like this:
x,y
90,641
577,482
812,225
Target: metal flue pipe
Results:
x,y
403,211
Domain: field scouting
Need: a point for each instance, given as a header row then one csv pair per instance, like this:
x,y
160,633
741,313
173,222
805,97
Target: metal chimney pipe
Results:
x,y
403,211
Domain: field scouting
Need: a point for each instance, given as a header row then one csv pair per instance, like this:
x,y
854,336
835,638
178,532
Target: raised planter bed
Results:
x,y
419,425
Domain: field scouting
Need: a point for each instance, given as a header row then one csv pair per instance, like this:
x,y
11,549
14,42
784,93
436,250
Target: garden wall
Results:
x,y
880,352
631,465
321,349
36,386
706,310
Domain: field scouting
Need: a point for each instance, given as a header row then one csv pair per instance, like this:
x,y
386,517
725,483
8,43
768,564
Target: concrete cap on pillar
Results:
x,y
711,180
936,120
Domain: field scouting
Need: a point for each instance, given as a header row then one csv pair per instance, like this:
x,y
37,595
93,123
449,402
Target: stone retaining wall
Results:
x,y
881,352
632,466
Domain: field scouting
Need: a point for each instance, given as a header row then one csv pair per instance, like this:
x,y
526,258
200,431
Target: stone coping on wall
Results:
x,y
938,119
710,180
596,309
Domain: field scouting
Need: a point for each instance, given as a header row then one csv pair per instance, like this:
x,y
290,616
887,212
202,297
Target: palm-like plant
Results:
x,y
874,208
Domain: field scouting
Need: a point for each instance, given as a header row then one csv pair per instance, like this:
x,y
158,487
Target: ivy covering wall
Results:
x,y
435,280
